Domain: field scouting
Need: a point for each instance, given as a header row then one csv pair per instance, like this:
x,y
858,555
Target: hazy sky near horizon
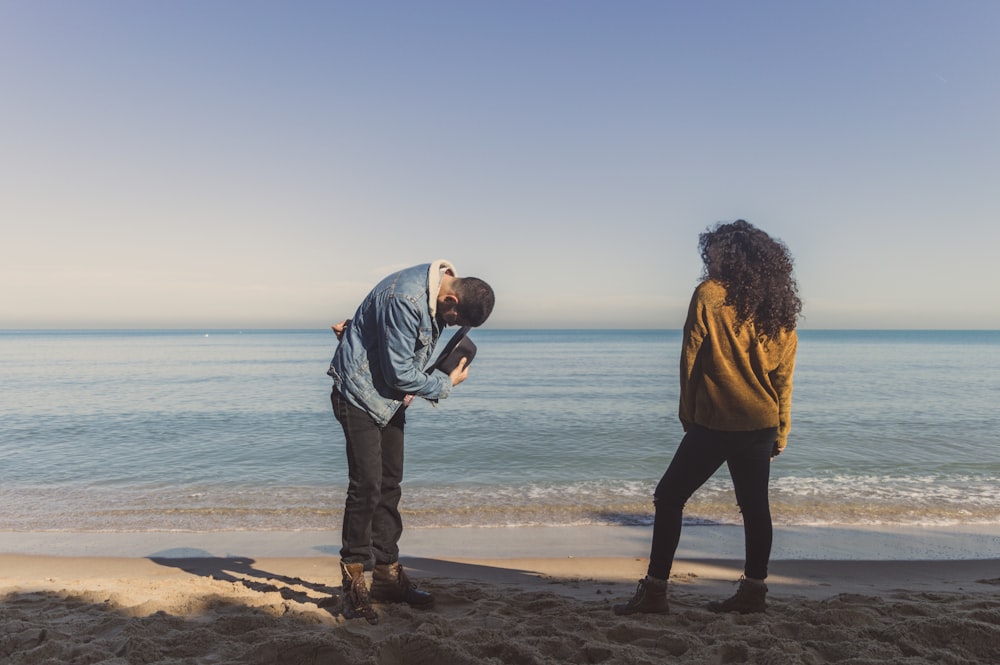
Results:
x,y
195,164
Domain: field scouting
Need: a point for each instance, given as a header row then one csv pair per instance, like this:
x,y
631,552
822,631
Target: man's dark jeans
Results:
x,y
372,525
701,453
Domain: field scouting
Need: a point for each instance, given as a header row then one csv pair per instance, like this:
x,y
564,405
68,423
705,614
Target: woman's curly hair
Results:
x,y
756,270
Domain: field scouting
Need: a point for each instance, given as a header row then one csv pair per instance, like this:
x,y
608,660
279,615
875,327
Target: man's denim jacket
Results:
x,y
387,343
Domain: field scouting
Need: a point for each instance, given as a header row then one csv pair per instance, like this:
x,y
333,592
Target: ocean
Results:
x,y
224,430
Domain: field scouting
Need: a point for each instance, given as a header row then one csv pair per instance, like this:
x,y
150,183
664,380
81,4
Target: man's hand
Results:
x,y
460,373
338,328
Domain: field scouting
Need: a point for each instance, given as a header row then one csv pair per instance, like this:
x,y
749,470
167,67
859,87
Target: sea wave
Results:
x,y
842,500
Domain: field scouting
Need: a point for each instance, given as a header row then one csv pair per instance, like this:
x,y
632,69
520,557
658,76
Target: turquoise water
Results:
x,y
223,430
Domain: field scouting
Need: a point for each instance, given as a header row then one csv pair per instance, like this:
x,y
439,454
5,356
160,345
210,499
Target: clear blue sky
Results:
x,y
233,163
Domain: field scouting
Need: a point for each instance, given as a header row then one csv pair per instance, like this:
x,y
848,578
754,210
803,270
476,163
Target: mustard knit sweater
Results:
x,y
731,381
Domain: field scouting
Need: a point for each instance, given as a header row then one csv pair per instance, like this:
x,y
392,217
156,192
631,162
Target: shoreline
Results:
x,y
139,579
869,543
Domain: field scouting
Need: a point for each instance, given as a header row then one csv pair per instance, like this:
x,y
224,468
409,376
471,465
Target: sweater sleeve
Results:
x,y
695,332
781,379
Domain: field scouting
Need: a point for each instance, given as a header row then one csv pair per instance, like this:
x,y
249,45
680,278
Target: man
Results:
x,y
377,370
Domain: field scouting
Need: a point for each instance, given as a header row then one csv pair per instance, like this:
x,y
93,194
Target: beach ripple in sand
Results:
x,y
484,623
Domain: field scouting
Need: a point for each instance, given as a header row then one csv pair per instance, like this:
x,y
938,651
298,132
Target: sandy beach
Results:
x,y
196,605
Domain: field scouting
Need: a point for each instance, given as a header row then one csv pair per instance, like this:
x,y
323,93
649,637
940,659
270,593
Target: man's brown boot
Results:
x,y
391,585
357,604
748,599
650,598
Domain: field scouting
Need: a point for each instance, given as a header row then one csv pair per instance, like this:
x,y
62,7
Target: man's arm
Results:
x,y
398,324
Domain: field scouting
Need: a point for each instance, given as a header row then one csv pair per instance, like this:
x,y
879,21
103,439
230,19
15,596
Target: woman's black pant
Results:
x,y
701,453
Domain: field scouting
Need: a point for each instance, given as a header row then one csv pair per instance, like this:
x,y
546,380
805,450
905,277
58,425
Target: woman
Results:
x,y
736,391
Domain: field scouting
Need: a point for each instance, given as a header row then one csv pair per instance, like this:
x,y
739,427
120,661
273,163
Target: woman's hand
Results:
x,y
775,450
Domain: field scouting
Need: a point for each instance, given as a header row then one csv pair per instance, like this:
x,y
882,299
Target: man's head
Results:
x,y
464,301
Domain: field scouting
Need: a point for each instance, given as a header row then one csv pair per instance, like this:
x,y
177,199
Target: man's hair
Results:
x,y
475,300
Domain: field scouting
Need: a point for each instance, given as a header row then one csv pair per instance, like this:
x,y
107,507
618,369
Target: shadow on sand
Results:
x,y
242,570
